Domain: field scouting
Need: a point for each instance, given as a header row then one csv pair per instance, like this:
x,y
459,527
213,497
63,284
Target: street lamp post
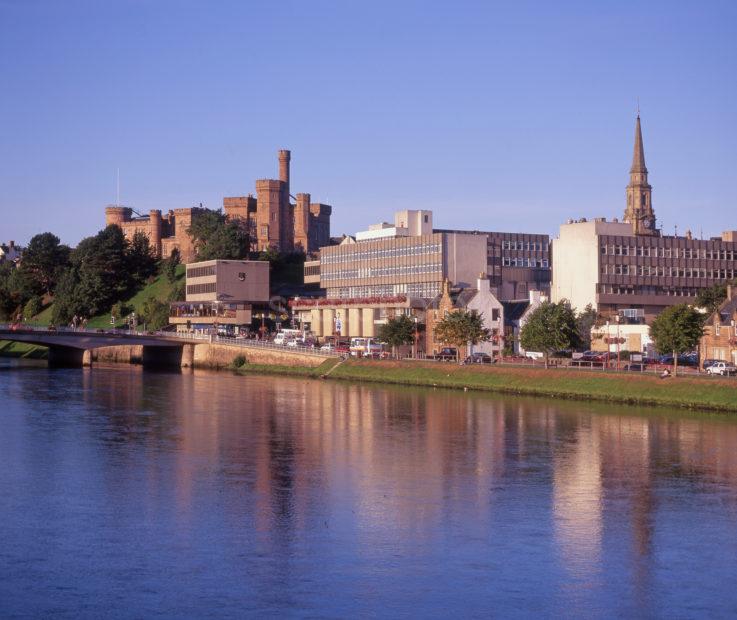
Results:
x,y
417,338
617,319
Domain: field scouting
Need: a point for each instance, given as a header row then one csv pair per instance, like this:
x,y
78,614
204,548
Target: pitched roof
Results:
x,y
460,297
726,311
513,310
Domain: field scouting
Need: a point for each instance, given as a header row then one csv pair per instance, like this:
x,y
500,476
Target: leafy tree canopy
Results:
x,y
676,330
43,262
711,298
216,237
461,327
585,321
397,331
551,327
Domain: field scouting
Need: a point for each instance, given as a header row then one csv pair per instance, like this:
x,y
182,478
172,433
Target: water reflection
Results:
x,y
273,495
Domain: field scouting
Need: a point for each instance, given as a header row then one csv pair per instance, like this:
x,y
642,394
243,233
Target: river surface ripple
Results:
x,y
126,493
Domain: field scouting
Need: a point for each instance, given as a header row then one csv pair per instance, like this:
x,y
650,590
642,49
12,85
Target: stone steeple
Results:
x,y
639,211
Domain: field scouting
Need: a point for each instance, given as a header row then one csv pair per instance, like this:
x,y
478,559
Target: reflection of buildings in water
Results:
x,y
577,501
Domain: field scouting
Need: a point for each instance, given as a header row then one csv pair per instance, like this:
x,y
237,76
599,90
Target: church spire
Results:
x,y
638,158
639,211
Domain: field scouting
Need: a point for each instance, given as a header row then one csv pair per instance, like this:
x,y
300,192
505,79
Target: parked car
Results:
x,y
328,347
447,354
534,355
689,359
296,342
722,368
479,358
709,362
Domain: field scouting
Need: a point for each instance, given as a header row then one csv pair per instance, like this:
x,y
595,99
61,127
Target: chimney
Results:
x,y
482,283
284,157
729,290
11,244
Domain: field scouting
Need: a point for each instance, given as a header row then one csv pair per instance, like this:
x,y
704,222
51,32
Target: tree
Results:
x,y
9,298
140,259
217,237
585,321
460,328
677,330
42,263
551,327
711,298
397,331
32,308
155,313
169,266
96,278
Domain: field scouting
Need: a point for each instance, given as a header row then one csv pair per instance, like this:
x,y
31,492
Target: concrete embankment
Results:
x,y
206,355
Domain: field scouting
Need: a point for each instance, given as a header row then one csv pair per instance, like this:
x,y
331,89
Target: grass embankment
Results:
x,y
688,392
22,349
294,371
160,288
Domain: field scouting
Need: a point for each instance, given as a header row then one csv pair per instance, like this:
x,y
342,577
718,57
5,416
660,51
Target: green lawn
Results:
x,y
22,349
690,392
295,371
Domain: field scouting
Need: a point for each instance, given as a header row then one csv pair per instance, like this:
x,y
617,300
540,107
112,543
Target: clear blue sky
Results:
x,y
496,115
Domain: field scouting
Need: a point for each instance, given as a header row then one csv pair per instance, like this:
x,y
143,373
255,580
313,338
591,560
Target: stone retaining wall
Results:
x,y
221,355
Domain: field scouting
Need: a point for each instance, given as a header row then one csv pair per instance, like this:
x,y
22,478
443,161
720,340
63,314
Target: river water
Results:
x,y
126,493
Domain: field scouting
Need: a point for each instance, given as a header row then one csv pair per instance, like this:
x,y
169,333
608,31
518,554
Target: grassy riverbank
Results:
x,y
21,349
705,393
294,371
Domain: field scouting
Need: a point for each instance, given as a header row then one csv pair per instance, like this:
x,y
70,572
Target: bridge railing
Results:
x,y
247,343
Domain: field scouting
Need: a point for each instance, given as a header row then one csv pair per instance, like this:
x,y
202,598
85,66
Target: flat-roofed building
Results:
x,y
516,263
221,293
630,268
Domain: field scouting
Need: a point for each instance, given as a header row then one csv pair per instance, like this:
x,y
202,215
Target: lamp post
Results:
x,y
617,318
417,338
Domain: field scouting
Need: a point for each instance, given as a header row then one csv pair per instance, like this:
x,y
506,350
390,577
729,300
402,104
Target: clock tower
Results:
x,y
639,211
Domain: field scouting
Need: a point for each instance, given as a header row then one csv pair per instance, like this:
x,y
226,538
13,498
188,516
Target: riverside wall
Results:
x,y
209,355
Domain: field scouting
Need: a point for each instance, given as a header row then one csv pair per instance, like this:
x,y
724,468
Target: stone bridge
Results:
x,y
68,347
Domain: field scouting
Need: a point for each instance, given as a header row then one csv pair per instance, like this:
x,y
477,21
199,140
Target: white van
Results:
x,y
285,335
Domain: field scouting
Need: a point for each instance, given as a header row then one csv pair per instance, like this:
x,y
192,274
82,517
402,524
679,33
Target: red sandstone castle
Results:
x,y
273,221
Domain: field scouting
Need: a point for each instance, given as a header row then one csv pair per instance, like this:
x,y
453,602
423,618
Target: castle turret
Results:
x,y
302,222
154,235
117,215
284,158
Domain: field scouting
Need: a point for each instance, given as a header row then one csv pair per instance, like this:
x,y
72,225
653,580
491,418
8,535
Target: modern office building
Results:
x,y
516,263
408,258
630,268
221,294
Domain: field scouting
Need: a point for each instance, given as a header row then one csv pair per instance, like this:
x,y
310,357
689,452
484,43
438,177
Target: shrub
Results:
x,y
239,361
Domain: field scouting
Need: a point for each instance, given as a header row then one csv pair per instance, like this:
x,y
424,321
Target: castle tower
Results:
x,y
302,222
639,211
284,159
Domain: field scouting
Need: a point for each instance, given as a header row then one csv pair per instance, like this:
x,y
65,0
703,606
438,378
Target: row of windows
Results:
x,y
525,262
381,272
200,272
529,246
426,290
199,289
312,270
667,291
658,271
702,253
375,253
